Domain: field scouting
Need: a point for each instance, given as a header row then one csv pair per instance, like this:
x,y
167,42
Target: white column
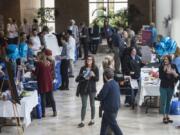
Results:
x,y
176,21
163,10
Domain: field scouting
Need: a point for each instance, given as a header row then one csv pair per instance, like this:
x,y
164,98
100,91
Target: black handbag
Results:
x,y
78,90
82,87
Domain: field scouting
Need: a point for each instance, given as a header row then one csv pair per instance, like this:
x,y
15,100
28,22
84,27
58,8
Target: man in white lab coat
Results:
x,y
71,48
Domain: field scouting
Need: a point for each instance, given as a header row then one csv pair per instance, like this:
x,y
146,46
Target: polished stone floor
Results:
x,y
132,122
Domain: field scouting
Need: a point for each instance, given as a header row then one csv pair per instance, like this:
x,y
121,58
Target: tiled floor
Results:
x,y
132,122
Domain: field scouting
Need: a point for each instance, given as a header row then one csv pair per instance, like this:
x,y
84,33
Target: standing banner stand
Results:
x,y
146,37
52,44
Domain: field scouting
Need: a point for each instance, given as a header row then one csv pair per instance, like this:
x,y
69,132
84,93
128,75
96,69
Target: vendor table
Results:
x,y
24,109
148,88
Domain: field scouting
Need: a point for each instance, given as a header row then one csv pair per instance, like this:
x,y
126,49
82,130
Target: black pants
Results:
x,y
94,46
109,120
130,96
64,73
80,51
50,96
85,47
13,40
109,42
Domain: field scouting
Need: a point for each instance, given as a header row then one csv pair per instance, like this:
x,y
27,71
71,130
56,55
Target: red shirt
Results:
x,y
44,76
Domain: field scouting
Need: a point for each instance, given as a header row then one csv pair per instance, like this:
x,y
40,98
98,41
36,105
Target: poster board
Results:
x,y
146,54
146,37
52,44
12,85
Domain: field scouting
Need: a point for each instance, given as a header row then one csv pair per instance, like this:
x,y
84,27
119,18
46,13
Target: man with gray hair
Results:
x,y
109,97
75,31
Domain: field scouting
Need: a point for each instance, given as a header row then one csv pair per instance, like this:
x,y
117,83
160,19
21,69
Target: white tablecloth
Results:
x,y
148,89
24,109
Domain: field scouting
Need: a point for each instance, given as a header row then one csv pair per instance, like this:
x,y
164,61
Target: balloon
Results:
x,y
166,46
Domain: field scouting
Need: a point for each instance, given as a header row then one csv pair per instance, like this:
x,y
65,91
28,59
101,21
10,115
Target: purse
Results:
x,y
81,87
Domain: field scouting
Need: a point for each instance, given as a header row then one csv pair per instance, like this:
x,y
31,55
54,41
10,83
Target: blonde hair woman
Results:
x,y
108,62
44,73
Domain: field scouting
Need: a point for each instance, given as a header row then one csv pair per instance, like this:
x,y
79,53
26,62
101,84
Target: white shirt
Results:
x,y
35,42
12,30
71,48
75,32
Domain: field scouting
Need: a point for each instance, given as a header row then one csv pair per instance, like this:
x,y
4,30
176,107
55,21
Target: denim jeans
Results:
x,y
165,99
84,105
109,120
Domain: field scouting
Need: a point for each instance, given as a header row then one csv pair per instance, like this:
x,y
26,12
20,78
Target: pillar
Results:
x,y
176,21
163,10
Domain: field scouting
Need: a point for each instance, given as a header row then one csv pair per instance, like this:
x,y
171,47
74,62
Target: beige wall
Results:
x,y
18,9
10,8
29,9
70,9
144,18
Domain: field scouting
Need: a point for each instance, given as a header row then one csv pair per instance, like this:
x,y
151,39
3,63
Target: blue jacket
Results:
x,y
23,50
108,31
154,34
110,96
119,42
176,61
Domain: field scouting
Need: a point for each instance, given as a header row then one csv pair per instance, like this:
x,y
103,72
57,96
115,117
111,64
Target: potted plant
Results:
x,y
45,15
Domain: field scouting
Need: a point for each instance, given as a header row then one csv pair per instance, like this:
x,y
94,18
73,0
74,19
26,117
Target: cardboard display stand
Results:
x,y
52,44
146,37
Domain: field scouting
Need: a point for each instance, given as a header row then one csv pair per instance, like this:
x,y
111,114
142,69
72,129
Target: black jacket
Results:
x,y
96,31
167,81
132,65
84,35
87,86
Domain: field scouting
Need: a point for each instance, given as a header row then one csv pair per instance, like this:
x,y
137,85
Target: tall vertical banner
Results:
x,y
52,44
146,37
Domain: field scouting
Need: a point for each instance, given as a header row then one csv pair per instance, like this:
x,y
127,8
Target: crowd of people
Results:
x,y
82,42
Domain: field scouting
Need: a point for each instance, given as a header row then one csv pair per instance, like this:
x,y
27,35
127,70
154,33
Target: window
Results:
x,y
51,22
104,7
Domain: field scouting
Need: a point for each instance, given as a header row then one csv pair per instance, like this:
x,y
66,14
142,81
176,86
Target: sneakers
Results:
x,y
63,88
71,76
167,120
43,115
81,125
54,114
91,123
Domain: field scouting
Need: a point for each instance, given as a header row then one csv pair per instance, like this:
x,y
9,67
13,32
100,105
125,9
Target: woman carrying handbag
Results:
x,y
87,78
169,76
